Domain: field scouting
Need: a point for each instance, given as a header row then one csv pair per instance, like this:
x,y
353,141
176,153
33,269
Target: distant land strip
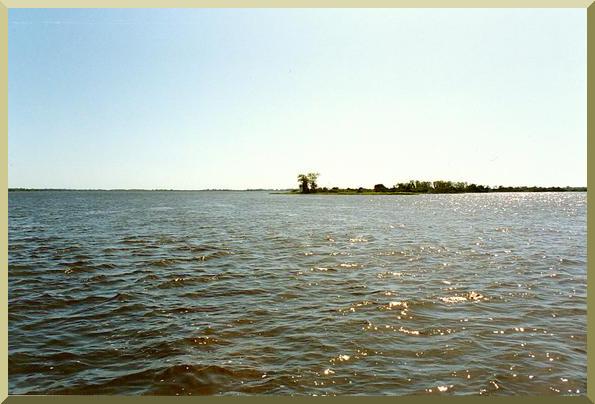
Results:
x,y
308,185
366,191
326,191
142,190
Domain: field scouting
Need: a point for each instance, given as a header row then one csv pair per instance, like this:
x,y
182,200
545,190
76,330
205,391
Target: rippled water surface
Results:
x,y
254,293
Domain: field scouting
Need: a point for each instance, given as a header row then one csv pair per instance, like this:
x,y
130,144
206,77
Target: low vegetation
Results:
x,y
308,185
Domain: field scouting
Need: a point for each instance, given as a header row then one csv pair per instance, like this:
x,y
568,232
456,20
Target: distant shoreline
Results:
x,y
493,191
308,185
297,192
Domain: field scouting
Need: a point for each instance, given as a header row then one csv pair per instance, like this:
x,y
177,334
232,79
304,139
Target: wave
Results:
x,y
181,379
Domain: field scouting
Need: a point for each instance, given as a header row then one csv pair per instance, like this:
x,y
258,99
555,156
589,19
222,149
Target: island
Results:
x,y
308,184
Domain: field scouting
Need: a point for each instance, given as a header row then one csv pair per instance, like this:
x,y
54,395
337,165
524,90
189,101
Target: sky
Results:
x,y
250,98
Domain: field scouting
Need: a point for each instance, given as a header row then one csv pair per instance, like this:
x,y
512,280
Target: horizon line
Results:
x,y
252,189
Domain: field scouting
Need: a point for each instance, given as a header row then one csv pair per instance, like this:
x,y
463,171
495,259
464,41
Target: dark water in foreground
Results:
x,y
252,293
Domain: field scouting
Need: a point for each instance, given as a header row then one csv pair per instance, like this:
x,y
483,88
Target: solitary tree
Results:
x,y
308,182
304,180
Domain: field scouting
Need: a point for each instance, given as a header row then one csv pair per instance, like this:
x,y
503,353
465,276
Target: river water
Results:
x,y
255,293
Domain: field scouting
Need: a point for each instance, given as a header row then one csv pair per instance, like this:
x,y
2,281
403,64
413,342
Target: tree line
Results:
x,y
308,185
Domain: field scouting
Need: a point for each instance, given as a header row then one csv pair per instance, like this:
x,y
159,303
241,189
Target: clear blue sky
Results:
x,y
193,99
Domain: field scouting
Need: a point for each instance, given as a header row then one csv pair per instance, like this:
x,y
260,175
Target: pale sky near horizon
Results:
x,y
208,98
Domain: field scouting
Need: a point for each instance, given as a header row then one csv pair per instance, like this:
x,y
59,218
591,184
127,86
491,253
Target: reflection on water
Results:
x,y
251,293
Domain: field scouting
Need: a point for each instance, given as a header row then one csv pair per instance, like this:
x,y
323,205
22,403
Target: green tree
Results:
x,y
304,181
312,180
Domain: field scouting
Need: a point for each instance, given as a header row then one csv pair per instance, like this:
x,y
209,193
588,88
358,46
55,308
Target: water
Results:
x,y
253,293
